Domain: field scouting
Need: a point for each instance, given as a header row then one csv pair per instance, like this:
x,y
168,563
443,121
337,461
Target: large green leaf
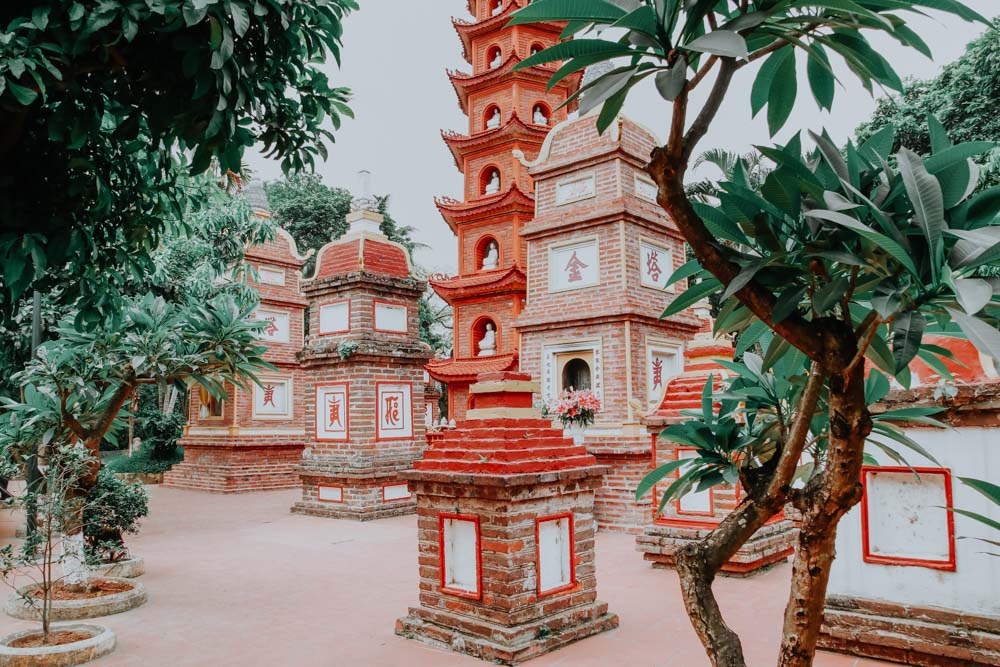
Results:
x,y
884,242
720,43
907,333
925,194
576,48
973,294
692,296
821,77
984,336
597,11
988,489
651,480
605,88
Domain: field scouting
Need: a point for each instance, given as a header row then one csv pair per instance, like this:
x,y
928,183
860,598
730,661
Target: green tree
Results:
x,y
963,97
728,163
79,385
842,256
107,107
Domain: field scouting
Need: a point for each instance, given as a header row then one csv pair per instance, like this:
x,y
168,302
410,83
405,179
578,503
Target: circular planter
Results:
x,y
123,569
101,643
75,610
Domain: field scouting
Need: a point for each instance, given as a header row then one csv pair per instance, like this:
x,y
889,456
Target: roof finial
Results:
x,y
365,200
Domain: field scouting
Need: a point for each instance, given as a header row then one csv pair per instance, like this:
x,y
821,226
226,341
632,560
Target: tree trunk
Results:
x,y
823,502
76,574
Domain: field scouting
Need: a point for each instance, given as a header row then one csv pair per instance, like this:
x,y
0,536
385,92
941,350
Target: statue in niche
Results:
x,y
535,49
492,258
493,185
494,119
539,116
497,8
488,344
497,60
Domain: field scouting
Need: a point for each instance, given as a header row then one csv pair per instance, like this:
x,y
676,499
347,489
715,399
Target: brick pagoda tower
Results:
x,y
506,532
687,520
600,251
507,111
253,439
363,361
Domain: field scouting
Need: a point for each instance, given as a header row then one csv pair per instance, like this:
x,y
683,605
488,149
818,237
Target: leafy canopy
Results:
x,y
106,107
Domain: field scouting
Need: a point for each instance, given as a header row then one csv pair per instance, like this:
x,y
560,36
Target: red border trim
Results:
x,y
478,594
347,411
378,428
274,311
572,555
329,486
948,565
711,492
408,496
319,318
375,304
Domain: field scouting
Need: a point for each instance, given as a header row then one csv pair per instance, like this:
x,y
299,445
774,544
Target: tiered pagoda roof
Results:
x,y
499,281
513,130
456,212
465,84
469,30
468,369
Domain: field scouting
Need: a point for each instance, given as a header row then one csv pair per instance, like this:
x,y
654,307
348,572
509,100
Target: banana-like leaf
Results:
x,y
884,242
720,43
973,294
597,11
671,82
984,336
925,194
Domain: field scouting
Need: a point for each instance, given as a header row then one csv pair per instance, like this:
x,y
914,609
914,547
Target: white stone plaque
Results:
x,y
335,317
390,317
395,411
574,266
575,188
332,412
272,398
656,263
555,563
395,492
695,502
276,329
330,494
905,516
460,558
645,189
270,275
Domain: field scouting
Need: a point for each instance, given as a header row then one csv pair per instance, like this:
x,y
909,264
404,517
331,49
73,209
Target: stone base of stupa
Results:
x,y
360,495
507,645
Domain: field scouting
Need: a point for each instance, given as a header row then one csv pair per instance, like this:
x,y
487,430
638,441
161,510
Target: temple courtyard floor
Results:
x,y
238,580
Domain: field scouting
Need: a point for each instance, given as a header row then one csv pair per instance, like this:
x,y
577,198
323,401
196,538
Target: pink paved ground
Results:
x,y
238,580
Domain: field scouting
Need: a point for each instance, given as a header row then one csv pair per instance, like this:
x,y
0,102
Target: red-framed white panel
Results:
x,y
394,411
555,554
396,492
390,317
335,317
903,517
701,503
326,493
333,418
460,553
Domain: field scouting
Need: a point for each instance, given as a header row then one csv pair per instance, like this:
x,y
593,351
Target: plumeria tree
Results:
x,y
79,385
847,256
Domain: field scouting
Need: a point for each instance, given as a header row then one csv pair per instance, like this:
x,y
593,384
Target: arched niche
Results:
x,y
490,180
482,252
480,329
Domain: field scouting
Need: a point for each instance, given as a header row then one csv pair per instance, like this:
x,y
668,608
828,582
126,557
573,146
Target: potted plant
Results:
x,y
115,508
40,559
576,409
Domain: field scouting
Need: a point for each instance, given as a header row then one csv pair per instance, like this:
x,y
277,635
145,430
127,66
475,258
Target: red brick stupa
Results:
x,y
505,508
691,517
508,110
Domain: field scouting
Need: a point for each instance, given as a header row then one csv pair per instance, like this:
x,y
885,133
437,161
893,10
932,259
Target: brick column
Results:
x,y
505,510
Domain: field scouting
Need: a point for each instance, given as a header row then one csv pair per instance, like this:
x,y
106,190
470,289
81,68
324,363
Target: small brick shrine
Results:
x,y
505,508
365,384
252,439
691,517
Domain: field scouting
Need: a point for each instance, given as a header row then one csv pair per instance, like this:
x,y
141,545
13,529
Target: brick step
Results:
x,y
510,455
490,467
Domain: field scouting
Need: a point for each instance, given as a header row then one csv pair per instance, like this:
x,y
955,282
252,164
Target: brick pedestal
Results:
x,y
235,467
365,383
627,460
692,517
505,510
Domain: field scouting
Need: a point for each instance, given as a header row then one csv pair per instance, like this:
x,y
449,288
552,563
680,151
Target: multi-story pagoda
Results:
x,y
508,111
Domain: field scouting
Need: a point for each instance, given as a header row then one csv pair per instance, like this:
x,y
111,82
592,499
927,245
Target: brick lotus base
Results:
x,y
772,544
507,645
358,495
228,469
909,635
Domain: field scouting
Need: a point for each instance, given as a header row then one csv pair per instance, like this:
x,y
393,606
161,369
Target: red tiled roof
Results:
x,y
467,370
486,282
513,200
465,84
684,391
514,129
467,30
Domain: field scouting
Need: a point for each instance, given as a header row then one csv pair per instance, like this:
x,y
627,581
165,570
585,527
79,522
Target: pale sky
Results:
x,y
394,58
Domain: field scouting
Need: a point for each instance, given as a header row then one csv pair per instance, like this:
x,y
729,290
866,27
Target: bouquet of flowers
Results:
x,y
575,407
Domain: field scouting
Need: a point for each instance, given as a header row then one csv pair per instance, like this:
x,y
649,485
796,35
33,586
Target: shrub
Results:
x,y
159,432
143,462
114,509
